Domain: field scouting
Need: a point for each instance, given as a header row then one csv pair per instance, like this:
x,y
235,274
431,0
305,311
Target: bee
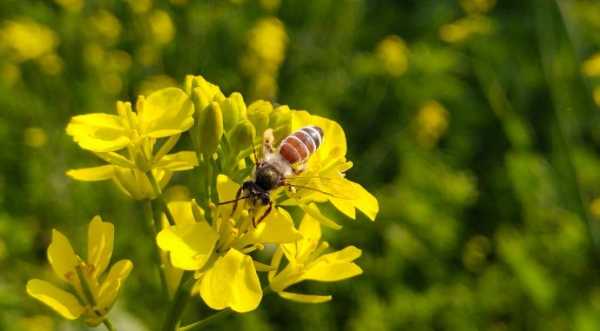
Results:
x,y
277,165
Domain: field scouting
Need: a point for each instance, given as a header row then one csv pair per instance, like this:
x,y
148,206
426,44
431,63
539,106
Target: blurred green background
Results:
x,y
475,122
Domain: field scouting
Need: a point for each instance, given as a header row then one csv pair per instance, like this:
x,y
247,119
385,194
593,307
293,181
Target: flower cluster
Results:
x,y
93,293
208,241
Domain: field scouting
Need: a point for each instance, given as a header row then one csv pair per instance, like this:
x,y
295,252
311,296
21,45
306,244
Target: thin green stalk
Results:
x,y
86,287
547,43
108,324
160,197
153,224
202,323
89,296
180,300
214,317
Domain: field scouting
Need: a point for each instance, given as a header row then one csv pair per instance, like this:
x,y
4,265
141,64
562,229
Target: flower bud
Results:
x,y
234,110
208,129
258,114
202,91
241,136
280,120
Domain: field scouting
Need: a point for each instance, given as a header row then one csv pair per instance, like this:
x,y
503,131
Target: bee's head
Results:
x,y
267,177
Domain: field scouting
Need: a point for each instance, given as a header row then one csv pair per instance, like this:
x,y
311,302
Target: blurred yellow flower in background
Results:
x,y
25,39
72,5
161,27
93,294
393,54
35,137
477,6
431,123
465,28
267,42
591,66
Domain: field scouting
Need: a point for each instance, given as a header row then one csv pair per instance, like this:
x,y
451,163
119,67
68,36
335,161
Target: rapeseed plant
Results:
x,y
206,243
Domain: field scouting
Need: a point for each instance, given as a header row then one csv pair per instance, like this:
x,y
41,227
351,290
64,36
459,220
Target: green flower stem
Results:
x,y
160,197
214,317
90,297
180,300
108,325
153,224
202,323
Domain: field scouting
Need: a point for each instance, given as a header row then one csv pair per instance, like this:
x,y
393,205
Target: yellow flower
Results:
x,y
226,275
393,54
94,293
25,39
466,27
306,262
165,113
325,171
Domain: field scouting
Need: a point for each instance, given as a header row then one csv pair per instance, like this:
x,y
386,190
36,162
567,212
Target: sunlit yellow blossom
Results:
x,y
306,261
164,114
465,28
93,292
393,54
25,39
325,171
226,275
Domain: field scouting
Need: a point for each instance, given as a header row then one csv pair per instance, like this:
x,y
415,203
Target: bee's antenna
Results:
x,y
320,191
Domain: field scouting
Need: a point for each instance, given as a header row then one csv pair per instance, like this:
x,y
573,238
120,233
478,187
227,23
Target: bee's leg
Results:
x,y
265,214
299,168
238,194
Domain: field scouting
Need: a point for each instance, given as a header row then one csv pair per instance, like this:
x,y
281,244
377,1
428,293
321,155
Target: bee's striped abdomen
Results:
x,y
301,144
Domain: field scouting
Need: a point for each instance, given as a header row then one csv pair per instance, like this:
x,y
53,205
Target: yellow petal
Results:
x,y
64,303
305,298
165,113
261,267
100,244
112,284
61,256
98,132
178,161
226,188
92,174
310,227
315,213
334,266
182,212
190,245
232,282
277,227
